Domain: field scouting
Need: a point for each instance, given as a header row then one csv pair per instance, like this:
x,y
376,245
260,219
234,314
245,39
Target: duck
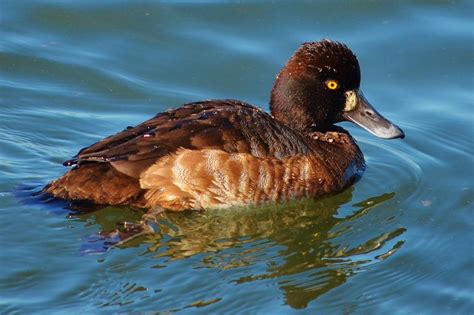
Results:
x,y
216,154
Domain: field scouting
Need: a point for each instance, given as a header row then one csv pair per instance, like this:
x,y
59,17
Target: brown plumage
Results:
x,y
221,153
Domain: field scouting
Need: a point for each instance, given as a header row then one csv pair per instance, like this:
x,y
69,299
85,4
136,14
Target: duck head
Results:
x,y
320,86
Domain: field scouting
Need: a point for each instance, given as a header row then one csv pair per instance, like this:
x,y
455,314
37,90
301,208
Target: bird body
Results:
x,y
222,153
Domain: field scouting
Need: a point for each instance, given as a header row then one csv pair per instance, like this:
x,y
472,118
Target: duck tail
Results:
x,y
99,183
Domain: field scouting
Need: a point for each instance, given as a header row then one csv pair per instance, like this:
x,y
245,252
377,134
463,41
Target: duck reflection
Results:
x,y
307,245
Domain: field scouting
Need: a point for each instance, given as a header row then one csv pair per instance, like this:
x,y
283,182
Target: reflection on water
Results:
x,y
302,243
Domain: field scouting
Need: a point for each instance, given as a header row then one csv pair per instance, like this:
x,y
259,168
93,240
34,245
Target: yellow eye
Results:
x,y
332,85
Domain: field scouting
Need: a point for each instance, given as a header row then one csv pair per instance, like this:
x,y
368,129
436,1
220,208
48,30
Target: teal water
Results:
x,y
400,241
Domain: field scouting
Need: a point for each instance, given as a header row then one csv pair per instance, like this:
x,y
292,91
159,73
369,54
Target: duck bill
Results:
x,y
359,111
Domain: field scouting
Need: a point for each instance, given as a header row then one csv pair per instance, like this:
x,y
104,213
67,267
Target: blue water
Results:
x,y
400,241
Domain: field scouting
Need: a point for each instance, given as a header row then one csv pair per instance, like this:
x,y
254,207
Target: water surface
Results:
x,y
399,241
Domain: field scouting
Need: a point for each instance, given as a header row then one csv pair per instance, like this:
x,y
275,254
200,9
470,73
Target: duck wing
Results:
x,y
227,125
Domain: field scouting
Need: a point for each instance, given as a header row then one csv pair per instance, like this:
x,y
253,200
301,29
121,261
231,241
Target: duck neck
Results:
x,y
294,103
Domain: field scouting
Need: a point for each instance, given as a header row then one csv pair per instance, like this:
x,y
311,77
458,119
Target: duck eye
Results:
x,y
332,85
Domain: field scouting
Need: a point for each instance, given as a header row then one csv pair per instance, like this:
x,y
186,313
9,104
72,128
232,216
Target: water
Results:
x,y
399,241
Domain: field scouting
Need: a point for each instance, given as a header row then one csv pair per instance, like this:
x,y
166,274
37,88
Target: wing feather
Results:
x,y
228,125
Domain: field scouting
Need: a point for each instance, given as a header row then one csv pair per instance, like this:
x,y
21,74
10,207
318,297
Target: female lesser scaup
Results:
x,y
221,153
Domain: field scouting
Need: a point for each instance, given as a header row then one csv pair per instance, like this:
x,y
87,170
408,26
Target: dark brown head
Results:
x,y
319,86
